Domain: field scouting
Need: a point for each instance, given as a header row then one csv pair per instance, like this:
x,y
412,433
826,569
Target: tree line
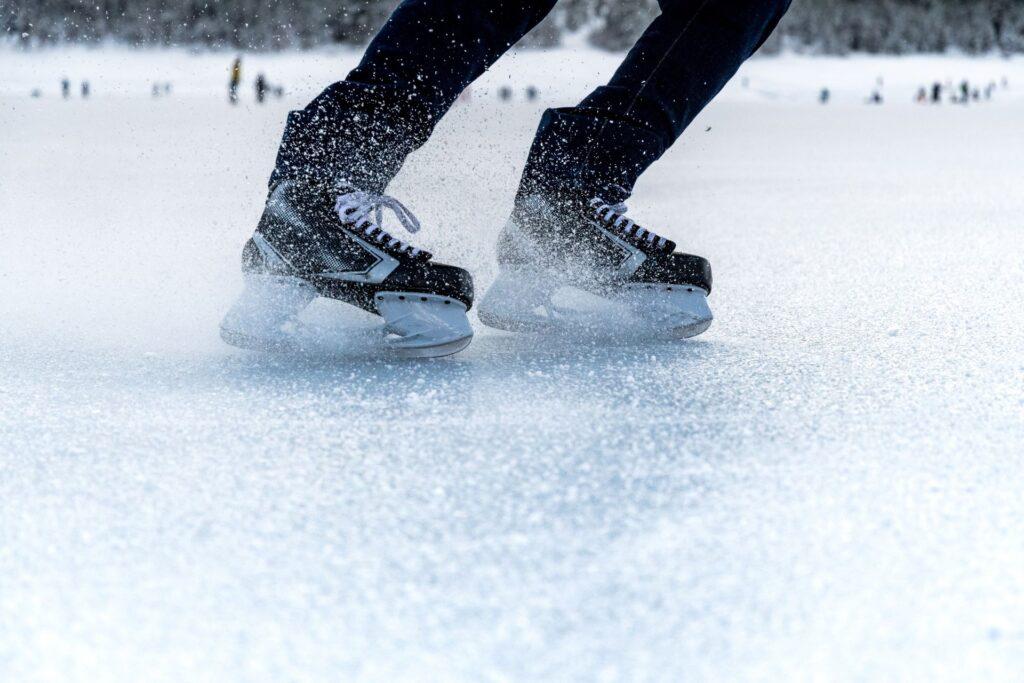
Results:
x,y
822,26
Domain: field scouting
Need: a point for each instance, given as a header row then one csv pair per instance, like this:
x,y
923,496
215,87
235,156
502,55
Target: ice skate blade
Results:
x,y
675,311
518,303
265,318
439,351
248,342
418,325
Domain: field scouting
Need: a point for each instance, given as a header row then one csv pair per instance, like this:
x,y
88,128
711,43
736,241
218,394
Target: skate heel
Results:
x,y
263,316
418,325
518,301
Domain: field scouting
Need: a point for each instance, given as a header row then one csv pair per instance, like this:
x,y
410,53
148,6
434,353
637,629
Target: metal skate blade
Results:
x,y
419,325
439,351
332,329
637,312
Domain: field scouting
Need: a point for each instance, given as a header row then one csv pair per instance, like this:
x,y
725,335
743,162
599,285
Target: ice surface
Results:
x,y
827,485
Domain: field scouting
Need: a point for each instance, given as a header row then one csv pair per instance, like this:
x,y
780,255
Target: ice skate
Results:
x,y
319,241
584,267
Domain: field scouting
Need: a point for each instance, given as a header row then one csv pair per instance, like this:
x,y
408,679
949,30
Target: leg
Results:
x,y
362,128
562,238
320,233
680,63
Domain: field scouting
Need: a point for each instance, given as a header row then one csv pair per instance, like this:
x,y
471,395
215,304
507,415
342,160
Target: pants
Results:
x,y
360,130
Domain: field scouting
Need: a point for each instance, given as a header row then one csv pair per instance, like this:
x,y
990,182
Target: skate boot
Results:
x,y
582,266
322,241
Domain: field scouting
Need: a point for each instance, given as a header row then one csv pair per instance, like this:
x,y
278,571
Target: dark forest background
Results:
x,y
825,26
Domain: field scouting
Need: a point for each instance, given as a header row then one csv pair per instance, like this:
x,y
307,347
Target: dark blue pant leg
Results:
x,y
361,129
683,59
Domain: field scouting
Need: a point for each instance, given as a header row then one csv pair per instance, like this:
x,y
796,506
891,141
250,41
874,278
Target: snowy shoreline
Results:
x,y
126,72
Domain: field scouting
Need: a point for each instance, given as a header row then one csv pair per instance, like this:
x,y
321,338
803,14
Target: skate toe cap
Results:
x,y
676,268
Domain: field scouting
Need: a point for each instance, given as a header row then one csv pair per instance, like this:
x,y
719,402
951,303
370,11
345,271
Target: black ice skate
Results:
x,y
321,241
583,266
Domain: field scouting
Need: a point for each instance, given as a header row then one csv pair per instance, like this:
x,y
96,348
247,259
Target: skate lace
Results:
x,y
613,215
363,211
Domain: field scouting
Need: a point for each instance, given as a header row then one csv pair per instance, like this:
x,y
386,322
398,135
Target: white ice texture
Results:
x,y
825,486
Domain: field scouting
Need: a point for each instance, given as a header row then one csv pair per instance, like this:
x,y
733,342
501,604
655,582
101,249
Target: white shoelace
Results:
x,y
614,215
364,212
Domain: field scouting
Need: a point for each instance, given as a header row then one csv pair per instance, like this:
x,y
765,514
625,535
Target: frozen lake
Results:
x,y
826,485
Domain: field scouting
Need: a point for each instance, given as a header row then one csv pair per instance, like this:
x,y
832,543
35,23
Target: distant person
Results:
x,y
824,96
531,93
965,92
235,81
156,90
65,88
321,233
936,93
922,95
85,90
261,88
